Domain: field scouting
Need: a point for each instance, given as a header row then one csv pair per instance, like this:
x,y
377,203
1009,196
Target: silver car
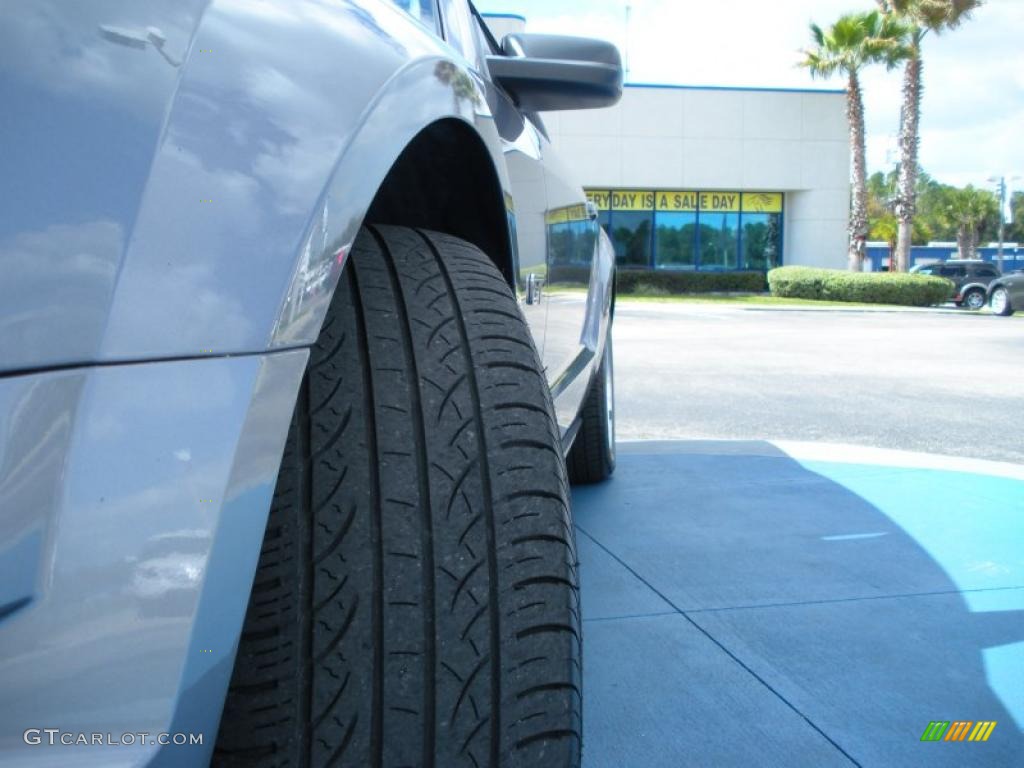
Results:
x,y
304,331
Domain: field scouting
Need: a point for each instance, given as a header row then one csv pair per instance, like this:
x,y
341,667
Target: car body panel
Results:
x,y
527,205
248,170
226,177
181,210
568,320
146,551
970,285
1014,285
77,150
577,290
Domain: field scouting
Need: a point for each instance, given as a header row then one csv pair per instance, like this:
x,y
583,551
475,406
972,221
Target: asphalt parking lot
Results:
x,y
813,561
938,382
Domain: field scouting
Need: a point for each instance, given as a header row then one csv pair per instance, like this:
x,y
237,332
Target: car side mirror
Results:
x,y
546,73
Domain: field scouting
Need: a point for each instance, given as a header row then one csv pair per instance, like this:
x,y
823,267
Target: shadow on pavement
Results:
x,y
744,610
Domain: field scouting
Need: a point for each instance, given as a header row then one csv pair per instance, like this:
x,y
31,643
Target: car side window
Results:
x,y
952,271
987,272
926,270
423,11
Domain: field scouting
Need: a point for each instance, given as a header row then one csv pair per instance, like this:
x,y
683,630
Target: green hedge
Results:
x,y
910,290
568,273
651,282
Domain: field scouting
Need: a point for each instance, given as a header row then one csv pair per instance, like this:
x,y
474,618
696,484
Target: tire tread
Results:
x,y
417,591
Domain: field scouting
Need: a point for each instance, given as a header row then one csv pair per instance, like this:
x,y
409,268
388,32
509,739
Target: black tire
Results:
x,y
592,456
1005,308
416,599
975,295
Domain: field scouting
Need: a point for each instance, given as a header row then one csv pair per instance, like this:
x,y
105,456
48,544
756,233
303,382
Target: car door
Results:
x,y
954,272
558,239
527,204
572,238
525,194
557,233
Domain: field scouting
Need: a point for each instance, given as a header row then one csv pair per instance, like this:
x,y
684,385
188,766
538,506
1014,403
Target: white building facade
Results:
x,y
713,178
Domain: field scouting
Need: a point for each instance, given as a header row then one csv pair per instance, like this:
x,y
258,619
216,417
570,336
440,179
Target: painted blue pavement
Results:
x,y
748,606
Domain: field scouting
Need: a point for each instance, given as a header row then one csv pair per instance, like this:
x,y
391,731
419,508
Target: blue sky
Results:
x,y
973,106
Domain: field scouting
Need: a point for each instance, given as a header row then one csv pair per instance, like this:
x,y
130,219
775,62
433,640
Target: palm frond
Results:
x,y
855,40
935,15
817,35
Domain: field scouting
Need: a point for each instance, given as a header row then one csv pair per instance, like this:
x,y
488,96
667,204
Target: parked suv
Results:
x,y
285,442
970,276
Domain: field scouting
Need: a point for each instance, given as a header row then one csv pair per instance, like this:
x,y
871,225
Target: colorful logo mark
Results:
x,y
958,730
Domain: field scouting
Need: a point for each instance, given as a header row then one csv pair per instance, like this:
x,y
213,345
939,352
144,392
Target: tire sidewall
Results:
x,y
1005,309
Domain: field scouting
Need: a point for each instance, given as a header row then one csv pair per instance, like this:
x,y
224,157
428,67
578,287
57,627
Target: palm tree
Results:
x,y
922,16
851,43
885,228
968,209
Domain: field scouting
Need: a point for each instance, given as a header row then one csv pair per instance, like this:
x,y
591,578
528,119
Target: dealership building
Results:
x,y
712,178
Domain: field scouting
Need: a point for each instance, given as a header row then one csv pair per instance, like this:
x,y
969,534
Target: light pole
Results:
x,y
625,63
1000,182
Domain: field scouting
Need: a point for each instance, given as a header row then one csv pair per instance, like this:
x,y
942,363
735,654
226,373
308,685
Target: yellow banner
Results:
x,y
719,201
566,213
685,200
672,200
599,197
762,202
632,200
577,212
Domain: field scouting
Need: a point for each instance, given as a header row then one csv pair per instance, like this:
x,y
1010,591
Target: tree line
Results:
x,y
967,215
906,206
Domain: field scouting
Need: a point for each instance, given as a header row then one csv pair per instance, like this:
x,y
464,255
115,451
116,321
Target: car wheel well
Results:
x,y
444,180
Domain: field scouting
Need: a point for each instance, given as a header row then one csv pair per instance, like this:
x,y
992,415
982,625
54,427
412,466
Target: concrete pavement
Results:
x,y
748,605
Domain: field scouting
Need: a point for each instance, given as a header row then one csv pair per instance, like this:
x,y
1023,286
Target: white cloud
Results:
x,y
973,102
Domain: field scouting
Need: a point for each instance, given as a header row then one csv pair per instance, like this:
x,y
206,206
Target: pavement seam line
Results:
x,y
724,649
633,616
854,599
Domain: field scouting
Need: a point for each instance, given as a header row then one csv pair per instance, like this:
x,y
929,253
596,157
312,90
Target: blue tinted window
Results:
x,y
675,240
761,241
719,241
631,233
677,233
